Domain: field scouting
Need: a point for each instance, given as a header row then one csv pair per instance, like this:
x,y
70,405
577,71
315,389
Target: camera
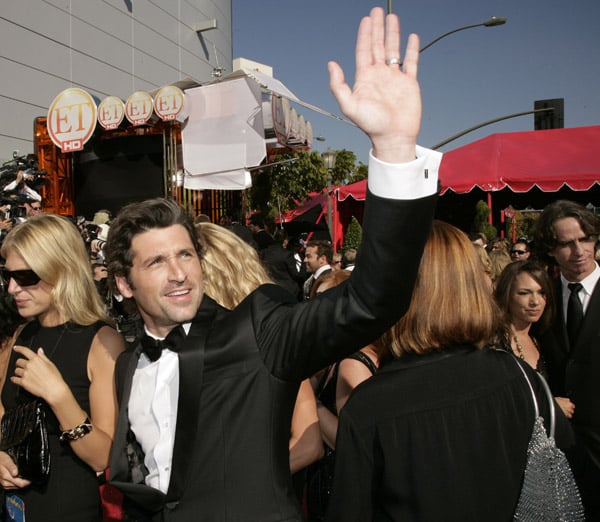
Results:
x,y
28,164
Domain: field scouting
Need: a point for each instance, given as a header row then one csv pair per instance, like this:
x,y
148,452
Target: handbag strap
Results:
x,y
534,397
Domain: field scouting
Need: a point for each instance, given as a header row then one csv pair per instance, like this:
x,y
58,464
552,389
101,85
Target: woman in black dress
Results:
x,y
524,293
65,355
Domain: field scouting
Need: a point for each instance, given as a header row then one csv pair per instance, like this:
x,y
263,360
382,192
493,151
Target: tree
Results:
x,y
360,172
280,187
353,235
481,223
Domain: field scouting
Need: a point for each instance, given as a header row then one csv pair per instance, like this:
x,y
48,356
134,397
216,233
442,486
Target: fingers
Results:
x,y
337,83
364,56
411,57
379,37
28,353
392,37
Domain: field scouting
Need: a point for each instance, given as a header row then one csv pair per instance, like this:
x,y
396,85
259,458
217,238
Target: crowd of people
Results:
x,y
260,385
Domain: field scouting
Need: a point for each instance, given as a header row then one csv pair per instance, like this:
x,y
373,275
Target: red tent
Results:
x,y
519,161
547,159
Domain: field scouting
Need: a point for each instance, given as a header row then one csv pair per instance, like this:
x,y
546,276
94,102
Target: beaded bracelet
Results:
x,y
81,430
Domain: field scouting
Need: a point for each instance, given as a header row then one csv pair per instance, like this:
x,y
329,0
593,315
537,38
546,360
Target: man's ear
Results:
x,y
124,286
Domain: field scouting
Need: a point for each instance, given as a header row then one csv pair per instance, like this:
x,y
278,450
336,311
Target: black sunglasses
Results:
x,y
21,277
518,252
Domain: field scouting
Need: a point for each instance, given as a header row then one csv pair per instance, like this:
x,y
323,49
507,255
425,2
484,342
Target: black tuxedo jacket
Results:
x,y
574,371
240,371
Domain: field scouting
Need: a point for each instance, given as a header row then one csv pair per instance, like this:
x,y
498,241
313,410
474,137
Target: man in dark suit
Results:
x,y
203,430
317,259
565,237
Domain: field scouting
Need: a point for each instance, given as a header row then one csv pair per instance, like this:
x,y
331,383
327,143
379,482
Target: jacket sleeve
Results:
x,y
298,339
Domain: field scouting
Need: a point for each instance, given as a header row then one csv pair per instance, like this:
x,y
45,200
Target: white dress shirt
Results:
x,y
585,294
153,412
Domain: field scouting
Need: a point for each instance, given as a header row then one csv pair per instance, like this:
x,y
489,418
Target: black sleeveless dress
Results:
x,y
71,493
319,476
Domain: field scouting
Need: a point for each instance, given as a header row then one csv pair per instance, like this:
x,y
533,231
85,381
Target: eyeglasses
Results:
x,y
518,252
36,208
21,277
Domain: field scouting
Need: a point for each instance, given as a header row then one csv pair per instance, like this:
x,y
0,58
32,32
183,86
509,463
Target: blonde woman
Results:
x,y
65,355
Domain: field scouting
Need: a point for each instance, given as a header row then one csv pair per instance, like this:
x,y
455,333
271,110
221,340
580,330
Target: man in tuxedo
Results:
x,y
566,236
317,259
203,430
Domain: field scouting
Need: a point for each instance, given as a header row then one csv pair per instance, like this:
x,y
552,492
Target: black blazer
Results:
x,y
574,371
240,371
438,437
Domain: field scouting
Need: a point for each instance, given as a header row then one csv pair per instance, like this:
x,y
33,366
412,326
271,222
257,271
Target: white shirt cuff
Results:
x,y
413,180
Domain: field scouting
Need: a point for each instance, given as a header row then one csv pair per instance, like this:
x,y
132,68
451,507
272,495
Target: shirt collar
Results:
x,y
186,329
320,270
588,283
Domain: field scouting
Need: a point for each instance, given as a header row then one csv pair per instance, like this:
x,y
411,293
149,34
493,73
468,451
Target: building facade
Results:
x,y
107,48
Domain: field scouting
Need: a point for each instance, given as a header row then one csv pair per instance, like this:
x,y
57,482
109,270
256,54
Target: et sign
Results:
x,y
169,102
138,108
71,119
111,112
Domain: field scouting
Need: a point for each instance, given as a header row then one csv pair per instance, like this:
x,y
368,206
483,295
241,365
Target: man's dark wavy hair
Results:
x,y
544,237
139,217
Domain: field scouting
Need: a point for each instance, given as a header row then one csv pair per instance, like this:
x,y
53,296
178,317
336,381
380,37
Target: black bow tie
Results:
x,y
153,347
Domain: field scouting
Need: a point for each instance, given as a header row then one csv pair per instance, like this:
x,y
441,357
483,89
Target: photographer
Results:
x,y
20,185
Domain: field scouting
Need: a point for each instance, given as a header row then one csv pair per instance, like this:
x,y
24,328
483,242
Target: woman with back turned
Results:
x,y
441,431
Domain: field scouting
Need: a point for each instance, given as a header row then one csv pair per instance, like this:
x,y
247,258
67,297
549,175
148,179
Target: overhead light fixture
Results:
x,y
206,25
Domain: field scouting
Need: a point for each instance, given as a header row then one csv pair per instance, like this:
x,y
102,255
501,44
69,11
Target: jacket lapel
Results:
x,y
560,322
191,366
126,365
589,327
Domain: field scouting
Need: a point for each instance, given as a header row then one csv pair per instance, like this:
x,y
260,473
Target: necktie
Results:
x,y
153,347
307,287
574,312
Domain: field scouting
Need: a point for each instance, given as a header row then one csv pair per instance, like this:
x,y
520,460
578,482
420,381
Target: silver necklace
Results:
x,y
519,348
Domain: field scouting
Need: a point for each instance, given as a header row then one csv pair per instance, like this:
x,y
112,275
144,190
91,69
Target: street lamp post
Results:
x,y
329,157
493,21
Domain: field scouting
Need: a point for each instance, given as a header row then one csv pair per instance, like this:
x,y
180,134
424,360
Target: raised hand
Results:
x,y
385,101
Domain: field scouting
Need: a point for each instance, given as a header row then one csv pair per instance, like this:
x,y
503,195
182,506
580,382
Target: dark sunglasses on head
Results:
x,y
21,277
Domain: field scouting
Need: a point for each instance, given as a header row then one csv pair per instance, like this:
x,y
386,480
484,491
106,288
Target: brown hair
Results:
x,y
451,302
504,287
544,239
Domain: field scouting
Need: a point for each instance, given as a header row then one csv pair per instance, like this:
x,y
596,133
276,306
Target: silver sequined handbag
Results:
x,y
549,492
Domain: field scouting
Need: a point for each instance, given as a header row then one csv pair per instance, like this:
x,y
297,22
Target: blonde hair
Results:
x,y
53,248
451,302
231,268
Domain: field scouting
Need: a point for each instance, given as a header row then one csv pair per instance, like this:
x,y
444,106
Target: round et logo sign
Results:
x,y
139,107
111,112
169,102
71,119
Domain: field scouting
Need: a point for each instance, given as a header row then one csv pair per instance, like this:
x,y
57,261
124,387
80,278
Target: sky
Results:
x,y
547,49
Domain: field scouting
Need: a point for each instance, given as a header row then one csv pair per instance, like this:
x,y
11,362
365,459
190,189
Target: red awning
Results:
x,y
548,159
